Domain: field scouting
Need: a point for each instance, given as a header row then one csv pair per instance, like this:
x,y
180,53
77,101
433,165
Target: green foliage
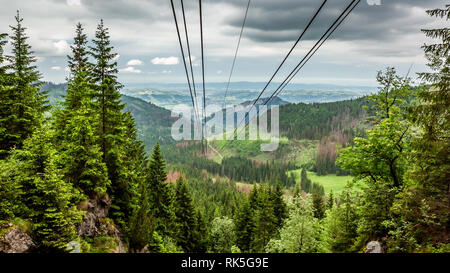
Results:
x,y
10,190
141,227
301,233
380,159
341,223
244,226
160,193
49,200
185,218
22,103
316,120
318,204
222,235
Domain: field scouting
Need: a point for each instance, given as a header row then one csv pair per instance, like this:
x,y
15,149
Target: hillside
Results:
x,y
153,122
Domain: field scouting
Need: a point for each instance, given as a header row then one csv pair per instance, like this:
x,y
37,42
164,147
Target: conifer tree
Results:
x,y
330,200
24,98
79,61
200,238
244,227
433,117
114,138
49,200
341,223
421,213
5,100
185,217
279,206
84,167
160,199
141,226
305,183
79,71
265,221
108,97
318,203
76,126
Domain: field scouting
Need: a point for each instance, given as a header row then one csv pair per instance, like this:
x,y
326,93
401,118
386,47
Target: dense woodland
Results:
x,y
59,164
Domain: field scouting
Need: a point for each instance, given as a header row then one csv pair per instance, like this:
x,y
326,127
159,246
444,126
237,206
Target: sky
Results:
x,y
378,34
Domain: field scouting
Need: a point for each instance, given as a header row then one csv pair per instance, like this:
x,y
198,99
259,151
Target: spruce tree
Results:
x,y
24,98
318,203
76,125
244,226
160,198
84,167
5,100
108,97
141,226
433,117
200,238
265,221
330,200
279,206
112,127
185,217
49,200
79,61
79,71
421,213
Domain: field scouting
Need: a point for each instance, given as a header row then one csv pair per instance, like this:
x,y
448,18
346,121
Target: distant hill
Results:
x,y
153,122
170,94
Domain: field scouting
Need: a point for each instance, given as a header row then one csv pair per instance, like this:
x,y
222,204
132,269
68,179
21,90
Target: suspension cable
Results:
x,y
189,51
184,59
203,75
316,47
235,55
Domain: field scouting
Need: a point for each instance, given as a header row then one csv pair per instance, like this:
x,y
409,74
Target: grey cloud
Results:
x,y
269,21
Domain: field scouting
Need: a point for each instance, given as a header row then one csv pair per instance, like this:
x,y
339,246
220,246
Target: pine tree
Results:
x,y
279,206
79,72
421,213
318,203
341,223
114,127
200,240
24,98
330,200
10,190
433,117
160,198
244,226
265,221
48,199
78,62
3,42
76,126
84,167
5,101
141,226
305,183
104,75
185,217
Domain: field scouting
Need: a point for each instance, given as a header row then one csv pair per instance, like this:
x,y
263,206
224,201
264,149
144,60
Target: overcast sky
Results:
x,y
377,34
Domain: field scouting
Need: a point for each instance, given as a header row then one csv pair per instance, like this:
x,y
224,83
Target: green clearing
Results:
x,y
329,182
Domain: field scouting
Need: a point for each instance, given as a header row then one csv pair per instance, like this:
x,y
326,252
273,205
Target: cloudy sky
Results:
x,y
377,34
